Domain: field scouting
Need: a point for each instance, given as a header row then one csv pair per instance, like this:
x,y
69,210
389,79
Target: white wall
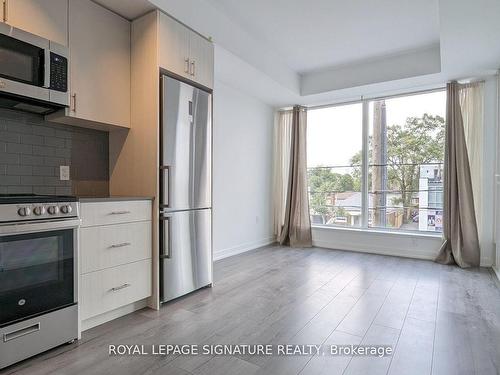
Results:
x,y
486,235
496,232
243,132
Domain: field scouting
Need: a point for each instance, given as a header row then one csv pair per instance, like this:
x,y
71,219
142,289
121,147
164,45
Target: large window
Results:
x,y
378,163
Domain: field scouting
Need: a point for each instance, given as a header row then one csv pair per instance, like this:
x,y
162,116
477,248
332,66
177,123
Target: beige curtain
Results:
x,y
472,106
281,170
292,221
461,244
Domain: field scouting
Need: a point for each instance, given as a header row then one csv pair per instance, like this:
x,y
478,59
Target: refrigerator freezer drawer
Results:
x,y
186,252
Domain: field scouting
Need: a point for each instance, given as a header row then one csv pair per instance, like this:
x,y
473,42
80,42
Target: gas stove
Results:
x,y
28,207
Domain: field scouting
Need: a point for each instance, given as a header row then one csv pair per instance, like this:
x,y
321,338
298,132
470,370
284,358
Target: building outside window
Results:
x,y
378,163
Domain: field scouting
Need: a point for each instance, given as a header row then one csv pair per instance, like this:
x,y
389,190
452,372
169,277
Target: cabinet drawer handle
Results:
x,y
123,244
5,11
186,65
21,332
192,72
117,288
119,212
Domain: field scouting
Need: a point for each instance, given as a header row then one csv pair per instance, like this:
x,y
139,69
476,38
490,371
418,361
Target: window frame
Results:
x,y
365,102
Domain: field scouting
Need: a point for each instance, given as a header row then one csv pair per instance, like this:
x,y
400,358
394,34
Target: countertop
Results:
x,y
113,199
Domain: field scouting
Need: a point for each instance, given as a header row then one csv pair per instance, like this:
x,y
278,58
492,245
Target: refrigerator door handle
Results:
x,y
166,236
165,173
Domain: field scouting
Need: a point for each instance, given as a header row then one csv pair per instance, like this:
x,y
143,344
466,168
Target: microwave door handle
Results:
x,y
46,68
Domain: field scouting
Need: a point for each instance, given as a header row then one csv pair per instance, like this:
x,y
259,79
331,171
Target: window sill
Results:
x,y
380,232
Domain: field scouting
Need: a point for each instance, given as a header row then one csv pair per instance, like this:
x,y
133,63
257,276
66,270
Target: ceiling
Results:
x,y
318,34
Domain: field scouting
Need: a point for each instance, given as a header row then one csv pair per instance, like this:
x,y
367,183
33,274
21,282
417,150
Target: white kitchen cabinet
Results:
x,y
201,53
99,42
46,18
115,258
109,246
174,46
184,52
115,212
112,288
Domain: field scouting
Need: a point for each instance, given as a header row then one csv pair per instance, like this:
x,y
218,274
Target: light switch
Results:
x,y
64,172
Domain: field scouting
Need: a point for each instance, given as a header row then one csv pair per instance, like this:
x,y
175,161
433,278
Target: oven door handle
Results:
x,y
46,68
41,226
21,332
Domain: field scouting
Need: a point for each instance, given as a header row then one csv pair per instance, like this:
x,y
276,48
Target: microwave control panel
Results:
x,y
58,72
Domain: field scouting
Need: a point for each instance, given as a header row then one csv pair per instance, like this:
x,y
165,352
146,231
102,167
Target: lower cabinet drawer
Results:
x,y
113,245
104,213
109,289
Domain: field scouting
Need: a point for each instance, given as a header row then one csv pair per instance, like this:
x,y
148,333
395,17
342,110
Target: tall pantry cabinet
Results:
x,y
159,43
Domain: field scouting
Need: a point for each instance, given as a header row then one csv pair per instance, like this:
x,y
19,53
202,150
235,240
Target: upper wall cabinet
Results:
x,y
201,53
99,43
46,18
185,52
174,46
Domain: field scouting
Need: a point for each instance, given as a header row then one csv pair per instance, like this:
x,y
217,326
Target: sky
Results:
x,y
334,134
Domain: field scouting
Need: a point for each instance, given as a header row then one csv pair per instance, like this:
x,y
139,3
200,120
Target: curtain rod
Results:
x,y
289,109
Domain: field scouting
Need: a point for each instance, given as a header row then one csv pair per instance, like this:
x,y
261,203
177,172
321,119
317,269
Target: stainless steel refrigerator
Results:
x,y
186,188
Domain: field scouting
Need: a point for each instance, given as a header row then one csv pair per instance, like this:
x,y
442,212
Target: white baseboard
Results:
x,y
486,262
380,250
497,271
224,253
113,314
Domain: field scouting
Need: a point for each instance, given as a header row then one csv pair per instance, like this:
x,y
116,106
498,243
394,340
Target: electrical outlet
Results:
x,y
64,172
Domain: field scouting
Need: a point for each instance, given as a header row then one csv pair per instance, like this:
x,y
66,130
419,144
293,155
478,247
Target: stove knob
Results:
x,y
39,210
66,209
24,211
53,210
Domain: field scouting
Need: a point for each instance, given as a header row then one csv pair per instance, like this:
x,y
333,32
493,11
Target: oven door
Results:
x,y
37,273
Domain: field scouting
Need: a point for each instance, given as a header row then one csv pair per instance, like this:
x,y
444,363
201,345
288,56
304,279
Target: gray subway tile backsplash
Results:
x,y
6,158
31,151
44,171
54,142
19,170
44,150
19,148
30,139
6,136
32,180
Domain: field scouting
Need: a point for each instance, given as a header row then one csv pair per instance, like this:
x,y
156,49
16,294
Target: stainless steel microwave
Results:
x,y
33,72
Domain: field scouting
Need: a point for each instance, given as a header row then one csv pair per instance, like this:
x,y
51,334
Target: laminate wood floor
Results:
x,y
439,319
